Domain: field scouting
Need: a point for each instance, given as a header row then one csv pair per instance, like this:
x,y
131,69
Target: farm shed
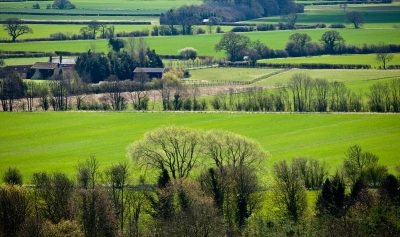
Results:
x,y
151,72
64,62
44,70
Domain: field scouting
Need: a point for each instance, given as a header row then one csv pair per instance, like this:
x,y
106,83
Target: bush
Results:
x,y
265,27
200,31
36,6
242,29
12,176
218,30
337,26
188,53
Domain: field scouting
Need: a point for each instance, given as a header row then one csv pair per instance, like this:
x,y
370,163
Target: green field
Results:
x,y
103,6
374,15
57,141
205,43
229,74
368,59
358,80
45,30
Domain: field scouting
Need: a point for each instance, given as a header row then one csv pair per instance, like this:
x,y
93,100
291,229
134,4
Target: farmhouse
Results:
x,y
44,70
151,72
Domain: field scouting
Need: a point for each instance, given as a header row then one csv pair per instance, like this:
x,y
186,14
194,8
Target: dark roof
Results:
x,y
149,70
45,66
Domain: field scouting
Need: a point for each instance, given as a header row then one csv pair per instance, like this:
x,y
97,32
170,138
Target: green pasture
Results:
x,y
103,6
50,141
374,15
357,80
77,17
369,59
205,43
229,74
45,30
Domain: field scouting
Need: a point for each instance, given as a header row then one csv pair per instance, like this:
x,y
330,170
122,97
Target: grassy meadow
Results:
x,y
230,74
205,43
57,141
358,80
369,59
103,6
374,15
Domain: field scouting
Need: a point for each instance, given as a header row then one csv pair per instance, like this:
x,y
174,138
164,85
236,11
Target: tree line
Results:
x,y
303,94
300,94
208,184
239,47
215,12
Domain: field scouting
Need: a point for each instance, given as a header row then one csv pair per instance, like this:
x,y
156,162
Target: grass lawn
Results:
x,y
335,59
229,74
56,141
205,43
358,80
78,17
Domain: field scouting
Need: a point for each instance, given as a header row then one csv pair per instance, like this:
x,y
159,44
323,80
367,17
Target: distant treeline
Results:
x,y
213,12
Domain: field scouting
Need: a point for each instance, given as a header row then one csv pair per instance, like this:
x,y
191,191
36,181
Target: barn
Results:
x,y
44,70
151,72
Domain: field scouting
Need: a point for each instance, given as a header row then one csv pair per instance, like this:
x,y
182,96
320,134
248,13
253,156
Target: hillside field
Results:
x,y
205,43
369,59
56,141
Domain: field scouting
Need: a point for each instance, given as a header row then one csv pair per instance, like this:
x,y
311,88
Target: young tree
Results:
x,y
384,58
63,4
188,53
297,45
15,28
289,190
355,18
12,176
331,40
116,44
175,149
234,45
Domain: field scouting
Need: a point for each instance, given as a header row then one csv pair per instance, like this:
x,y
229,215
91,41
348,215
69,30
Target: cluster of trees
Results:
x,y
303,94
237,46
63,4
215,12
95,67
207,185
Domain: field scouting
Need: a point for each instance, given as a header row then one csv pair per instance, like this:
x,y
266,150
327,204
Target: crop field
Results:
x,y
104,6
57,141
374,15
354,79
369,59
205,43
230,74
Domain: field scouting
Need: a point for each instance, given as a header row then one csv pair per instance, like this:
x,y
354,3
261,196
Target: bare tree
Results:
x,y
114,89
31,93
15,28
172,148
355,18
